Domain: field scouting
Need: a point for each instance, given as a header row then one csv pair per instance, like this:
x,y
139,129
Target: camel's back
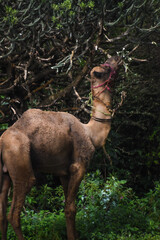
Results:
x,y
48,127
33,118
47,123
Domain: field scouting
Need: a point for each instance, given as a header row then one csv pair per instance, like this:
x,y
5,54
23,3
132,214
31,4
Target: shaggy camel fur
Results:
x,y
53,142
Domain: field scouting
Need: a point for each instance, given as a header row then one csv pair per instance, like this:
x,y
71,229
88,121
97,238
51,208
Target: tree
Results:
x,y
48,47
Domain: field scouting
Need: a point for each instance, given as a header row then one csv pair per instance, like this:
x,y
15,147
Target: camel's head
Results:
x,y
102,75
114,62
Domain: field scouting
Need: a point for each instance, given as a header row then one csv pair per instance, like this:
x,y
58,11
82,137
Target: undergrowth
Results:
x,y
106,210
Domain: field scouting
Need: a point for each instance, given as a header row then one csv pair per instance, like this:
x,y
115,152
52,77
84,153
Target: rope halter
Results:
x,y
106,82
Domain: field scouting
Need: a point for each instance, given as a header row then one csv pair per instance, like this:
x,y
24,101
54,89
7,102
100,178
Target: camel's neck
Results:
x,y
98,126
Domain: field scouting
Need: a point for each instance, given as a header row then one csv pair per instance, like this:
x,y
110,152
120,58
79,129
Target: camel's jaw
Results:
x,y
114,62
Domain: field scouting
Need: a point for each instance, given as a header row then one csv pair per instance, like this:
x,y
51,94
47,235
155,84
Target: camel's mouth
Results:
x,y
113,63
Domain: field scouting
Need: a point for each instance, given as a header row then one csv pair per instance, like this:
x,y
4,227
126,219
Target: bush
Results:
x,y
40,226
110,210
105,210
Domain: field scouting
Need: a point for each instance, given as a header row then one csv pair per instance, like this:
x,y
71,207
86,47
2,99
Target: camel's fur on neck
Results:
x,y
98,131
51,142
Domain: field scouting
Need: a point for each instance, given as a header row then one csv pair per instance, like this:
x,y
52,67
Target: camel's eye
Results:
x,y
102,75
99,75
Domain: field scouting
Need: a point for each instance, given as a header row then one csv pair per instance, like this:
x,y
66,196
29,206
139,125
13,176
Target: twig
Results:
x,y
3,115
66,90
10,51
107,155
116,38
77,94
39,88
45,59
123,96
71,59
14,112
83,106
139,60
133,50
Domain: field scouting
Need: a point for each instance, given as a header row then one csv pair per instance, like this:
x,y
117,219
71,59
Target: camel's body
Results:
x,y
51,138
51,142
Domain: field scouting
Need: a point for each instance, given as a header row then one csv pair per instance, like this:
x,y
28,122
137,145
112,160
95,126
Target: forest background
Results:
x,y
47,49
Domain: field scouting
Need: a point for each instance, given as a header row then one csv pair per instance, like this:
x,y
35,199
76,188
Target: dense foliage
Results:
x,y
48,47
106,210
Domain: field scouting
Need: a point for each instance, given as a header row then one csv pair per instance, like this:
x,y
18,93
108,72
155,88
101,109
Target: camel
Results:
x,y
57,143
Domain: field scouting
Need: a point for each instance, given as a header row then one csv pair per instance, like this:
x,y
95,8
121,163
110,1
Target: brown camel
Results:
x,y
57,143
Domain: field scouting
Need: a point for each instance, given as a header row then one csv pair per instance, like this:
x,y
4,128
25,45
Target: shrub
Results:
x,y
105,210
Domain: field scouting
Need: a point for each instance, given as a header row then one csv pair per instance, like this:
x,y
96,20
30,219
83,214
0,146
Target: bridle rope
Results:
x,y
105,84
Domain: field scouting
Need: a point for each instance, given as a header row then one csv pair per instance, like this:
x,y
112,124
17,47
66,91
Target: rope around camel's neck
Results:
x,y
97,96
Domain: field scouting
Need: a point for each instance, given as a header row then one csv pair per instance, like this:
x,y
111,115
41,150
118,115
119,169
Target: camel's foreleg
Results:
x,y
77,171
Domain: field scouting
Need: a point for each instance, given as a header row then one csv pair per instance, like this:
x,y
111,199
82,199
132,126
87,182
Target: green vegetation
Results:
x,y
106,210
11,16
44,47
